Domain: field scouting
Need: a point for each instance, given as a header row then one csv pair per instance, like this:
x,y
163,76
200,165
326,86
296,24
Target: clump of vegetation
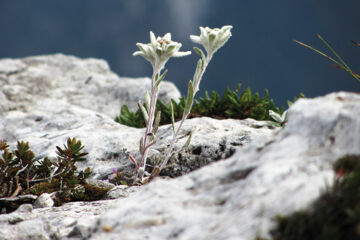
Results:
x,y
22,173
335,215
232,104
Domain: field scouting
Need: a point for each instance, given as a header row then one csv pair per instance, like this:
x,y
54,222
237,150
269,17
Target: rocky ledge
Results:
x,y
231,182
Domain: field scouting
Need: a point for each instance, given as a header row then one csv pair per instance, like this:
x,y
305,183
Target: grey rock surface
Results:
x,y
232,199
239,197
277,171
44,200
57,102
87,83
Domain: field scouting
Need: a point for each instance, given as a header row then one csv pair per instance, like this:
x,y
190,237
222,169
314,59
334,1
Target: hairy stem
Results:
x,y
149,125
184,117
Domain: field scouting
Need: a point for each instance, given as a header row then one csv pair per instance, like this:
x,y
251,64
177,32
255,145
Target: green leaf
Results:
x,y
147,101
172,117
289,103
158,80
197,73
157,122
190,98
201,53
187,143
143,111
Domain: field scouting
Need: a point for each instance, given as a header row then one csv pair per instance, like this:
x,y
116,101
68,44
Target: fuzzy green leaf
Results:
x,y
172,117
157,122
159,79
190,98
187,143
197,73
143,111
147,101
201,53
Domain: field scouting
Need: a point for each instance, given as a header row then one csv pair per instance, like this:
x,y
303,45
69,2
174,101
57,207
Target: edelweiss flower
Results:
x,y
212,39
159,50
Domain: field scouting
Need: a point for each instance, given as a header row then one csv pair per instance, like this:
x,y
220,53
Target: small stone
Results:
x,y
44,200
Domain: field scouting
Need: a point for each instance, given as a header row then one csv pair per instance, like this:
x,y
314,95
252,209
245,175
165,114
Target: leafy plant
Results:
x,y
281,119
16,169
232,104
22,173
338,63
158,52
334,216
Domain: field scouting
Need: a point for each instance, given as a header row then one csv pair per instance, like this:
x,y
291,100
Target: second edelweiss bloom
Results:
x,y
212,39
159,50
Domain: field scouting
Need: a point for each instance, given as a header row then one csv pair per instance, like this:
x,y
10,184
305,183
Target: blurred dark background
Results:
x,y
261,53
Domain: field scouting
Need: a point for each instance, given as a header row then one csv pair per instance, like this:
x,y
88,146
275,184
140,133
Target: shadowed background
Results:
x,y
261,53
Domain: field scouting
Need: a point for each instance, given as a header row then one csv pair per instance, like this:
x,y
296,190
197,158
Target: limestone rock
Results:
x,y
44,200
52,223
55,97
231,199
46,99
88,83
239,197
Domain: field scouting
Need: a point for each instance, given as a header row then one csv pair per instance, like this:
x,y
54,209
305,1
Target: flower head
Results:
x,y
159,50
212,39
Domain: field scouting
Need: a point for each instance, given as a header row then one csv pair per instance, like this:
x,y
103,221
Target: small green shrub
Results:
x,y
230,105
334,216
22,173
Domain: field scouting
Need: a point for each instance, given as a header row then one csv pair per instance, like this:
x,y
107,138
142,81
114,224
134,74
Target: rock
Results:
x,y
231,199
99,184
8,204
87,83
121,191
44,200
239,197
211,141
51,223
277,171
48,100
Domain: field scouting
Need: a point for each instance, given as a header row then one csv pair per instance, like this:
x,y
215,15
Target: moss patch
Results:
x,y
232,104
334,216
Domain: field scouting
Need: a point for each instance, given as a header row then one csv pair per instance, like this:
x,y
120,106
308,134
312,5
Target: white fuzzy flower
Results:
x,y
159,50
212,39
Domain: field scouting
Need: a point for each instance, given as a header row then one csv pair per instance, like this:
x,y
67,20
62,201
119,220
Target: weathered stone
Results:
x,y
212,140
239,197
51,223
88,83
44,200
121,191
99,184
278,171
9,204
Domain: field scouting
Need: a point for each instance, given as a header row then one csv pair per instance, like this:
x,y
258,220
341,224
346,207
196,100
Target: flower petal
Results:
x,y
138,53
181,54
153,39
167,36
195,39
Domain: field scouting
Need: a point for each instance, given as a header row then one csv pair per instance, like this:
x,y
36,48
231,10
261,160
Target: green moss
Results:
x,y
334,216
231,104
